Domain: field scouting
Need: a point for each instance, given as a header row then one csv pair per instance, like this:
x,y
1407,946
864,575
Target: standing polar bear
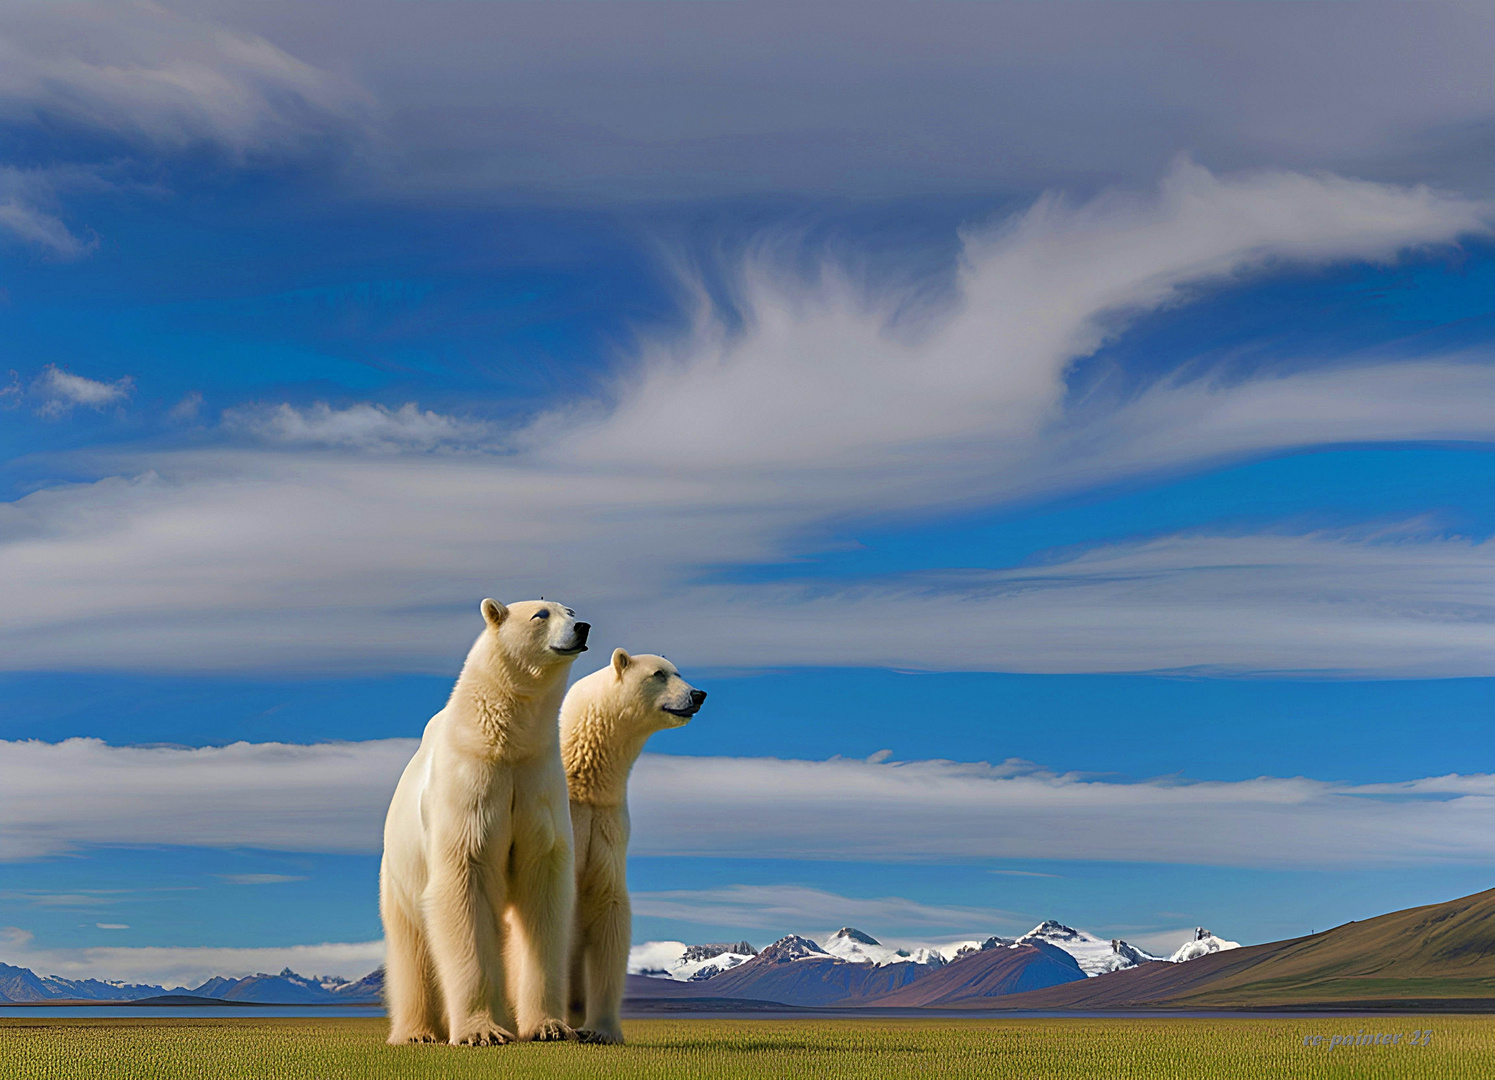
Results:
x,y
605,721
476,887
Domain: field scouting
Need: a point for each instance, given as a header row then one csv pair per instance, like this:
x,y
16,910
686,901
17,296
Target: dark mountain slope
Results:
x,y
796,971
1441,951
981,976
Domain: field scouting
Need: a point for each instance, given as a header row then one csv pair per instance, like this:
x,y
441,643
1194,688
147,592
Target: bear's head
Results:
x,y
650,689
532,635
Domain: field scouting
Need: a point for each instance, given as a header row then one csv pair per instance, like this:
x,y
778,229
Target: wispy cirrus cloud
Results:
x,y
147,72
362,426
332,798
803,910
30,207
730,448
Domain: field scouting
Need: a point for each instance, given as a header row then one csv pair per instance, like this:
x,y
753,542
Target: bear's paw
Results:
x,y
553,1031
483,1033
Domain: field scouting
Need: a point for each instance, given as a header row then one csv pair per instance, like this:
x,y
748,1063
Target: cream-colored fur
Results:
x,y
605,721
476,886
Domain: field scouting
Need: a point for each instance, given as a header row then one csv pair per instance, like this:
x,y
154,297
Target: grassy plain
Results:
x,y
1462,1048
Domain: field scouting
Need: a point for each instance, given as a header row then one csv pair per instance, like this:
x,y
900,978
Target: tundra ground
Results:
x,y
1459,1047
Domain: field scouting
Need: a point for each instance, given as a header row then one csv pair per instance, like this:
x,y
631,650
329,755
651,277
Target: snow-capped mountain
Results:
x,y
1203,944
687,963
796,971
22,984
792,947
967,948
291,988
859,948
1096,956
287,988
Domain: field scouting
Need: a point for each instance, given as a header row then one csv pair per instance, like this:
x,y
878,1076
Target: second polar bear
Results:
x,y
605,720
476,883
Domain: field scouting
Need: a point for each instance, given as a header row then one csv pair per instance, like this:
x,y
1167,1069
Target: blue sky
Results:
x,y
1104,440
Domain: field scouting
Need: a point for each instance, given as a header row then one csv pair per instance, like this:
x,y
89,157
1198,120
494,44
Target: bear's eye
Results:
x,y
542,614
661,675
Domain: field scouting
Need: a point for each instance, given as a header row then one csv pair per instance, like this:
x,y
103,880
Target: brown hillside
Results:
x,y
1438,952
985,975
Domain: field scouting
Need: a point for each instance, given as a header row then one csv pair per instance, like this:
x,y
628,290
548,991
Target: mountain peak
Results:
x,y
847,933
790,947
1053,929
717,948
1203,944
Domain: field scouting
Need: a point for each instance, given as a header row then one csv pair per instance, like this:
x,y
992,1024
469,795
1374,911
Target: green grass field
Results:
x,y
1146,1049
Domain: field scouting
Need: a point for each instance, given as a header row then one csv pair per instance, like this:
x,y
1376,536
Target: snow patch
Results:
x,y
1203,944
687,963
859,948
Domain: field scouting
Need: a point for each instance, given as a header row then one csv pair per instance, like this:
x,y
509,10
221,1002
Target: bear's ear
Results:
x,y
621,661
494,613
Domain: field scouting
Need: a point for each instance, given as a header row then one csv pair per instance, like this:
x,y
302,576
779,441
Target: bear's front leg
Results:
x,y
467,952
409,984
542,916
542,897
606,964
576,977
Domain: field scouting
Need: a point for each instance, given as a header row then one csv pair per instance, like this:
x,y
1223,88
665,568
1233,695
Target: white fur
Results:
x,y
476,887
605,721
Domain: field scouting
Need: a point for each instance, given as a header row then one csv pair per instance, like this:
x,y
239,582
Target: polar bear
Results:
x,y
476,887
605,721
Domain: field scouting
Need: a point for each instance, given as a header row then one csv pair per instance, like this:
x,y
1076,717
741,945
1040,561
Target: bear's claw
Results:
x,y
598,1038
485,1035
553,1031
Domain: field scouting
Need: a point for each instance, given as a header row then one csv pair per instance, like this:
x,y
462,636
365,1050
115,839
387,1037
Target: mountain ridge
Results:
x,y
22,986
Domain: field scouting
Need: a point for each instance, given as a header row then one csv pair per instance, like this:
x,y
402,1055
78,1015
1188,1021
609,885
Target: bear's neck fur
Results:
x,y
509,708
599,747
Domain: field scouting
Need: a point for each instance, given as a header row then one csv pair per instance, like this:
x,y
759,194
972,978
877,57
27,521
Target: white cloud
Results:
x,y
144,71
1397,602
260,879
28,207
112,926
326,797
784,909
61,391
187,409
898,98
358,427
173,966
332,797
940,810
725,449
28,223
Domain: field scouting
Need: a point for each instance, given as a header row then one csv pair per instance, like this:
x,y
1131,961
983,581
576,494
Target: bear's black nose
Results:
x,y
697,697
581,630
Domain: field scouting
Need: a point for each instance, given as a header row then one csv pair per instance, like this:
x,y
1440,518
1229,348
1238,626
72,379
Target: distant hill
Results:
x,y
993,972
288,988
796,971
1426,955
22,984
675,960
19,984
